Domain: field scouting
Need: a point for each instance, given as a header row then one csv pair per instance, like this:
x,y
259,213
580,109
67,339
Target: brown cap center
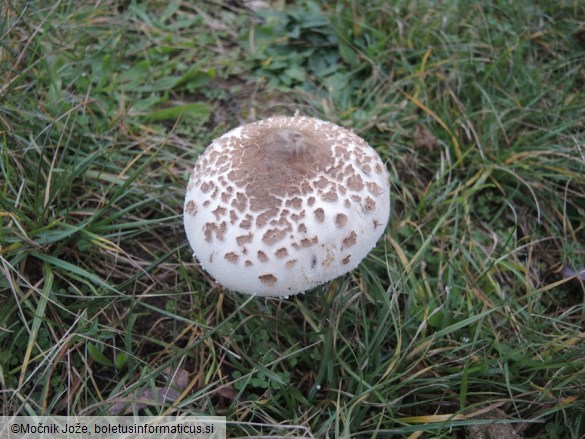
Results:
x,y
280,162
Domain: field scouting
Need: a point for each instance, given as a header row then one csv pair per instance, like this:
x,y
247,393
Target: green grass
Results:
x,y
465,304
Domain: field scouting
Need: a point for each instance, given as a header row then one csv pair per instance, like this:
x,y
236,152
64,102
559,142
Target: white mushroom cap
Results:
x,y
279,206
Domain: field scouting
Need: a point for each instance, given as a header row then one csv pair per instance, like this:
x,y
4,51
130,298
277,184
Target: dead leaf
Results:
x,y
423,138
142,398
492,431
178,380
577,275
228,391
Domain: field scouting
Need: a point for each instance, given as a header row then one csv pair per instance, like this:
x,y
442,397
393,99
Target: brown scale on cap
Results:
x,y
369,204
244,239
272,236
191,208
208,231
268,279
206,187
262,256
295,203
330,196
319,215
321,183
306,242
240,202
349,240
219,231
374,189
296,218
281,253
340,220
219,212
264,217
246,223
355,183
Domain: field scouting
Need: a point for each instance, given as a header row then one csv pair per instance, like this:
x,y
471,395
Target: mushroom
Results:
x,y
279,206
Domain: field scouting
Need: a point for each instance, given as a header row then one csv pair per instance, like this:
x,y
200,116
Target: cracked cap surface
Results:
x,y
279,206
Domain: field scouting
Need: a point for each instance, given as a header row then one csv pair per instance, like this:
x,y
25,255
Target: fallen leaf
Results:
x,y
142,398
423,138
178,380
228,391
492,430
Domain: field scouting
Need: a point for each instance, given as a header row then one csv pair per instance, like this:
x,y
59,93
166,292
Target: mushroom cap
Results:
x,y
279,206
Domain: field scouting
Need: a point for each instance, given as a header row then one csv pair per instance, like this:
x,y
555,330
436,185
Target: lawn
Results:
x,y
470,310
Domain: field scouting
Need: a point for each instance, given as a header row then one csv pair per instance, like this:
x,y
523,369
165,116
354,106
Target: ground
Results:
x,y
469,311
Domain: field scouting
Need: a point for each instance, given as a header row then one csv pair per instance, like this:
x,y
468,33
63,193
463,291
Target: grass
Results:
x,y
469,308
